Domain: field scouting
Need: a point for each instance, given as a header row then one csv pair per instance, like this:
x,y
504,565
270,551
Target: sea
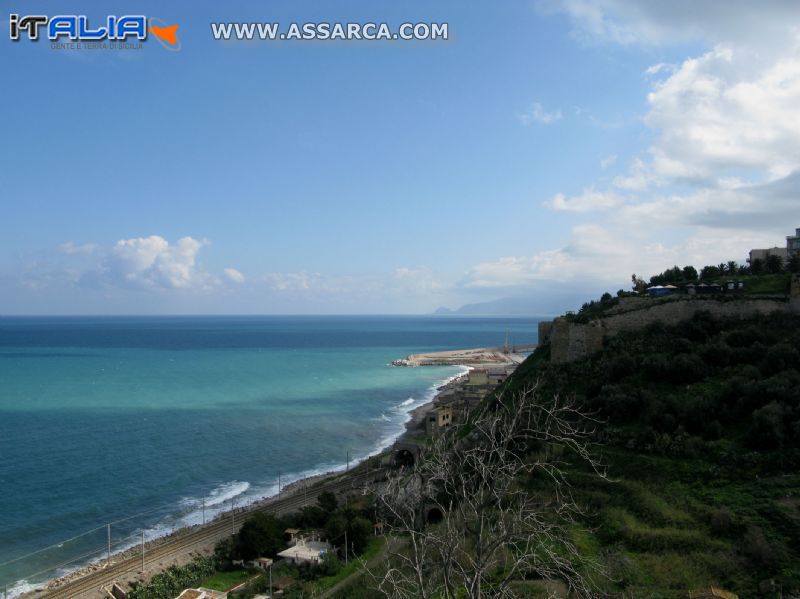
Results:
x,y
141,425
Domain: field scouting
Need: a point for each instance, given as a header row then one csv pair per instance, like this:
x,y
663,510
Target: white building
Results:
x,y
202,593
306,552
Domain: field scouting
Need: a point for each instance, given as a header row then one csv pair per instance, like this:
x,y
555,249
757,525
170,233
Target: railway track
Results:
x,y
92,583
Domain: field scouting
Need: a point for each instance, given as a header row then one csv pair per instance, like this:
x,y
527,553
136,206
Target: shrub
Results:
x,y
758,549
721,521
768,427
260,536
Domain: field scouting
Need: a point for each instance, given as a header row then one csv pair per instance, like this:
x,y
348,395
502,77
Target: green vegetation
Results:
x,y
370,552
758,279
262,535
222,581
171,582
767,284
700,430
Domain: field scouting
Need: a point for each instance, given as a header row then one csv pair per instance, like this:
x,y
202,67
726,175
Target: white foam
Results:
x,y
21,587
215,502
226,492
404,410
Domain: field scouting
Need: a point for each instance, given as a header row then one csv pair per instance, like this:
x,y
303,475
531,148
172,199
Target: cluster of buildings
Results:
x,y
302,549
696,288
792,247
455,400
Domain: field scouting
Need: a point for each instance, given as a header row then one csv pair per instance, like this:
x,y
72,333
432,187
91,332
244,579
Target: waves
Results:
x,y
20,588
227,492
197,509
402,412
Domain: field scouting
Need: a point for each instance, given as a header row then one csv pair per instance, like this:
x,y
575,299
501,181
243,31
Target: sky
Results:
x,y
546,151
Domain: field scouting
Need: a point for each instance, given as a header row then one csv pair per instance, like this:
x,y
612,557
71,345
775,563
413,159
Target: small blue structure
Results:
x,y
661,290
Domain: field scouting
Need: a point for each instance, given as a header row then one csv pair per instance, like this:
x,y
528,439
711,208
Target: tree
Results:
x,y
606,297
327,502
357,527
767,429
689,273
794,263
732,267
774,264
709,272
260,536
470,527
639,285
757,266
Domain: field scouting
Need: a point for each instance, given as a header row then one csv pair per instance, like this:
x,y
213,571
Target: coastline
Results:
x,y
413,425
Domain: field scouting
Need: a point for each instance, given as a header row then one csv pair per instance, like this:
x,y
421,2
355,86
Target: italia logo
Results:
x,y
78,28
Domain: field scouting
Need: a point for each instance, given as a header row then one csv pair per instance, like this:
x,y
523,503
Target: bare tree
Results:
x,y
467,525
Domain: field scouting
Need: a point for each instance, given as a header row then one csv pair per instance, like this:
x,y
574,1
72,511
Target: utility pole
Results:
x,y
204,510
279,483
233,518
108,561
142,551
348,459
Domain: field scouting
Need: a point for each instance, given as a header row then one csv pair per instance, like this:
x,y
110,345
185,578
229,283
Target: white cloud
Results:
x,y
419,280
608,161
292,281
721,113
537,114
639,176
724,163
589,200
152,262
677,21
609,254
655,69
233,275
71,248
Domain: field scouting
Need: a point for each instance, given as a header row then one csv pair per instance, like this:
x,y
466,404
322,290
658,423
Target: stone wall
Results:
x,y
545,330
570,341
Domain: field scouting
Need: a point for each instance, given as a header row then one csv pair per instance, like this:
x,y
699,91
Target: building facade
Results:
x,y
793,242
792,247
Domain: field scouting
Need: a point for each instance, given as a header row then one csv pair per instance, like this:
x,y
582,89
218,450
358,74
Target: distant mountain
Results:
x,y
505,306
547,299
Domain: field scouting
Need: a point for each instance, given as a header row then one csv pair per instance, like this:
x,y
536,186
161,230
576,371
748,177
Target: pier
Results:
x,y
481,356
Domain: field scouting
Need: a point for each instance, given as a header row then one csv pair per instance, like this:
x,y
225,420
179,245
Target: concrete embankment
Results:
x,y
481,356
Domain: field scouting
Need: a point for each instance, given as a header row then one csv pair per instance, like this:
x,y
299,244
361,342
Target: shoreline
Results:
x,y
415,419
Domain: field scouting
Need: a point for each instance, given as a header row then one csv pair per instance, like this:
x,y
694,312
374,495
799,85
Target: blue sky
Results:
x,y
540,153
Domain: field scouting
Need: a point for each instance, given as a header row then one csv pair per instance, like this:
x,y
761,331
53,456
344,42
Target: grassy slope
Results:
x,y
683,510
222,581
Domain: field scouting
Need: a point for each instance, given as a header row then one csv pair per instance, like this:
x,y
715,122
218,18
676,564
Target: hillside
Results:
x,y
701,434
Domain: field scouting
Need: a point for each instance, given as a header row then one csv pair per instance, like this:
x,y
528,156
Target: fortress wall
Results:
x,y
571,341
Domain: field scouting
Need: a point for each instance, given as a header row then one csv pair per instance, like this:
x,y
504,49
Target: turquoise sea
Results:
x,y
135,421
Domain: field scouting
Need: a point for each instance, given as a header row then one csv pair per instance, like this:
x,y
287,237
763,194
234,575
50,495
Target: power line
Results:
x,y
57,544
